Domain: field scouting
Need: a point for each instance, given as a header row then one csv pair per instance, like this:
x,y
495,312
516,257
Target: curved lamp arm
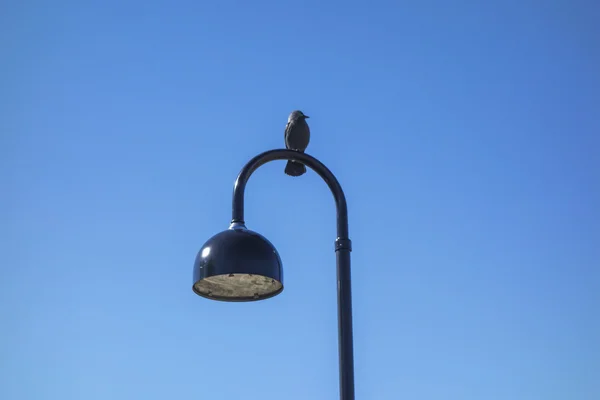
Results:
x,y
309,161
343,247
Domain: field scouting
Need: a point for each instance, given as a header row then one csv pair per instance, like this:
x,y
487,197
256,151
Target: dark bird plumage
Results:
x,y
297,136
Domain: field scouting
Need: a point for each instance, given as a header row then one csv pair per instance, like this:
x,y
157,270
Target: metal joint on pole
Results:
x,y
343,244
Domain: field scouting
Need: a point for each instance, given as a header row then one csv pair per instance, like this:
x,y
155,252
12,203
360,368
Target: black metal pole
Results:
x,y
343,247
344,295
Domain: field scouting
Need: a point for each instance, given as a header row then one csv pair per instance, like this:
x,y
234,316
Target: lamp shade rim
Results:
x,y
237,299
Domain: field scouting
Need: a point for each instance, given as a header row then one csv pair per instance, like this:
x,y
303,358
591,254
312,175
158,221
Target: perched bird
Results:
x,y
297,136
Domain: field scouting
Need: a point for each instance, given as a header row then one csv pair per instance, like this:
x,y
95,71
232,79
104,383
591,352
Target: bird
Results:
x,y
297,136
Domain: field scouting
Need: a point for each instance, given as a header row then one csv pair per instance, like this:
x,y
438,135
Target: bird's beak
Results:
x,y
306,116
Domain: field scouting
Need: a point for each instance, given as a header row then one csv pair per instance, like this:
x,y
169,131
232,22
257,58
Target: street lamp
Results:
x,y
241,265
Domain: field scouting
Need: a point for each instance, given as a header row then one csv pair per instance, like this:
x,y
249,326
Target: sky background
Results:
x,y
465,135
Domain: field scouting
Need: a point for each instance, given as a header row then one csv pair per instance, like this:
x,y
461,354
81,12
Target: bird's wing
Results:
x,y
288,128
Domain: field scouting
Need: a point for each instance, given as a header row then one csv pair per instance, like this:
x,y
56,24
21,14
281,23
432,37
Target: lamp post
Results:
x,y
241,265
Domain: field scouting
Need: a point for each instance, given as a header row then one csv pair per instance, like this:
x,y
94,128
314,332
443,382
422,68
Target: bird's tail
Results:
x,y
294,168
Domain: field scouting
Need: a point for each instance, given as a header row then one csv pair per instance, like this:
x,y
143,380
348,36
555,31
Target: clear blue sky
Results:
x,y
466,137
